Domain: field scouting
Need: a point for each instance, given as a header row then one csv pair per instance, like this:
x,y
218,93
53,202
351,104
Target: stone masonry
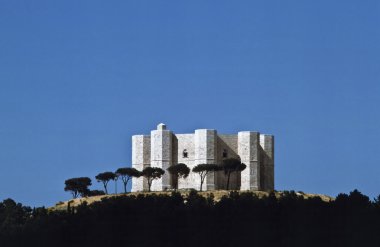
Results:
x,y
162,148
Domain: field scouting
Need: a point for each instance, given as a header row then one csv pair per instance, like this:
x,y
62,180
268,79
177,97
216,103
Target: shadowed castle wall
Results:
x,y
228,143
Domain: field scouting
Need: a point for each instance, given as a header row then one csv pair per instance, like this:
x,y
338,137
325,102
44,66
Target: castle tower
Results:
x,y
267,180
205,153
140,160
161,155
248,150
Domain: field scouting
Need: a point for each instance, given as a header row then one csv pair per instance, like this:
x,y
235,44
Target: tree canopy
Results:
x,y
178,171
152,173
203,170
78,186
231,165
104,178
126,173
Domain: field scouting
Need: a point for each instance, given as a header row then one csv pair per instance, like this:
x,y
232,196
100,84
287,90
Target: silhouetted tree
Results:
x,y
104,178
152,173
178,171
203,170
231,165
126,174
377,202
77,186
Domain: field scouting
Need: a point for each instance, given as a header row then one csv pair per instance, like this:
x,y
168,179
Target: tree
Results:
x,y
105,177
78,186
126,174
152,173
377,202
232,165
203,170
178,171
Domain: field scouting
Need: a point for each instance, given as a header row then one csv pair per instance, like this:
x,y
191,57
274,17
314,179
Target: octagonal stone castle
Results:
x,y
162,148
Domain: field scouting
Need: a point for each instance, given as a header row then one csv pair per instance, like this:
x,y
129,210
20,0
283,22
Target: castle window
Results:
x,y
184,153
225,154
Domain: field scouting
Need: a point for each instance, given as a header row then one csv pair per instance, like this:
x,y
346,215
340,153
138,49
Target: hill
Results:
x,y
216,194
191,219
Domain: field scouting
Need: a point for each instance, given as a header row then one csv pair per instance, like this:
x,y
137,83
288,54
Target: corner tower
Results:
x,y
161,155
206,153
249,152
267,162
140,160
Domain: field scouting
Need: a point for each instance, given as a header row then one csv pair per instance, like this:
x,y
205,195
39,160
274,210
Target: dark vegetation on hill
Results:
x,y
162,220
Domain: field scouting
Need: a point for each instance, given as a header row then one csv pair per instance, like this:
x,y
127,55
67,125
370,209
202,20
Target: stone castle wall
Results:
x,y
162,148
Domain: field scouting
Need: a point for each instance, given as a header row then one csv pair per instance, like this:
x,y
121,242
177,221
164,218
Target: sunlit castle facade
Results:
x,y
163,148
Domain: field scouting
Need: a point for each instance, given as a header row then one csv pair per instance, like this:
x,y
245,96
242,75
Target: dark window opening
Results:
x,y
225,154
185,154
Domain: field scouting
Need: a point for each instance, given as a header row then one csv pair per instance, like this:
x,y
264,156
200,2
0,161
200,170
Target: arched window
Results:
x,y
184,153
225,153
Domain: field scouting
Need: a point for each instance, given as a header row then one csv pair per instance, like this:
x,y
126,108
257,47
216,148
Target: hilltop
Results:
x,y
190,218
217,195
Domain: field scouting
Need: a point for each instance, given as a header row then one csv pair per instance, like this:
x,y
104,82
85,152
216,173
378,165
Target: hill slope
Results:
x,y
217,194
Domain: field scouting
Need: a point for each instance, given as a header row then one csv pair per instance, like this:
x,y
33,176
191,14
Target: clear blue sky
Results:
x,y
79,78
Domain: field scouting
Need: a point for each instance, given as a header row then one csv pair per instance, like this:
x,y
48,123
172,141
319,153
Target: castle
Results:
x,y
162,148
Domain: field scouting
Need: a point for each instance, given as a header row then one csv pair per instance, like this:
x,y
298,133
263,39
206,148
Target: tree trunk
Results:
x,y
174,183
228,180
125,184
149,184
203,180
125,188
105,188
